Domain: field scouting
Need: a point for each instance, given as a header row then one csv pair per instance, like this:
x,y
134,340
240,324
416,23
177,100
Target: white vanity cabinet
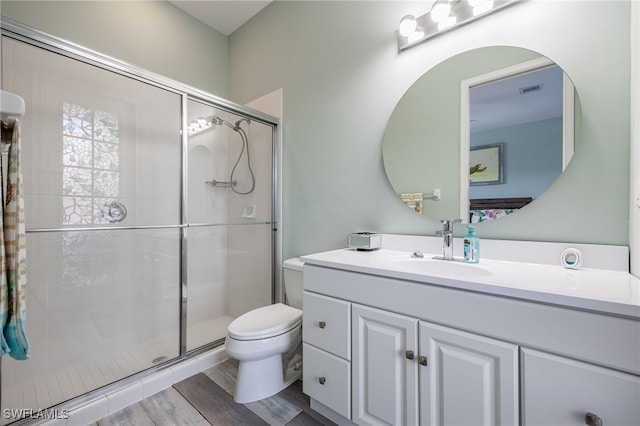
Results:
x,y
490,360
564,392
408,372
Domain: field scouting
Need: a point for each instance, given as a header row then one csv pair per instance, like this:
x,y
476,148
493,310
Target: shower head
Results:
x,y
219,121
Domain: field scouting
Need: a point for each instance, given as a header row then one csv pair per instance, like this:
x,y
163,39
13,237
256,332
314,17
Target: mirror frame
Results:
x,y
568,110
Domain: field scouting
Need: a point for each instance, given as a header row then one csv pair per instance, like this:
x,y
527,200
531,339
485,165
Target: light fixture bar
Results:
x,y
462,12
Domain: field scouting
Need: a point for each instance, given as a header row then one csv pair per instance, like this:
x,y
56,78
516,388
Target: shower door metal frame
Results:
x,y
18,31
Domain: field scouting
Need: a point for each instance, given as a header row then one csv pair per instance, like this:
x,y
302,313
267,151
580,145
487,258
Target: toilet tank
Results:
x,y
293,281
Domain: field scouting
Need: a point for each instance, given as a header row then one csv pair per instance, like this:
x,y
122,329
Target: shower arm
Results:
x,y
236,127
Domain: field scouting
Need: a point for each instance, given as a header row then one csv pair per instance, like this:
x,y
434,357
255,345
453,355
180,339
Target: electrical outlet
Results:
x,y
437,194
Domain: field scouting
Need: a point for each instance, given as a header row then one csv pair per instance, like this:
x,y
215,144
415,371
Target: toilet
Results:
x,y
267,342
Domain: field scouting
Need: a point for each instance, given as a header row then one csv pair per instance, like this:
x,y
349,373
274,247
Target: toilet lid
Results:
x,y
265,322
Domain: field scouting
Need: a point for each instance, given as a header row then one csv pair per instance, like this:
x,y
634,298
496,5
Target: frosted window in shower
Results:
x,y
91,164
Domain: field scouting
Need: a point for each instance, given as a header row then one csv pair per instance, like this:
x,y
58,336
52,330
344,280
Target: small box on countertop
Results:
x,y
365,241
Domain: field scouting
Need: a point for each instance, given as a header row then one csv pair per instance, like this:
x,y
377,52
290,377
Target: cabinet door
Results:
x,y
561,391
468,380
384,378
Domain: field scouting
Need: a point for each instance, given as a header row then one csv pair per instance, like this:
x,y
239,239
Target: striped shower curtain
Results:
x,y
13,296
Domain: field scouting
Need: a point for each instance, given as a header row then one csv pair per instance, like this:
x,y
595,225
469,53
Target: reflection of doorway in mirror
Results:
x,y
524,106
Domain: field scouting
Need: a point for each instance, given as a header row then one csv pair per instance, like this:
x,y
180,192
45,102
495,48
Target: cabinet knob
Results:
x,y
409,355
423,361
322,380
592,420
322,324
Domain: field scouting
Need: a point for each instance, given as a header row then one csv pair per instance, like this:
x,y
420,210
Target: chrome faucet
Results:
x,y
447,238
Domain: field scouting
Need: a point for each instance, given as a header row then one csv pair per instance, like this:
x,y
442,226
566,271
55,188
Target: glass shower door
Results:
x,y
102,181
229,211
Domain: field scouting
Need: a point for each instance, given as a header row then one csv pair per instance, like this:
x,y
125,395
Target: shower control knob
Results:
x,y
113,212
322,324
592,420
322,380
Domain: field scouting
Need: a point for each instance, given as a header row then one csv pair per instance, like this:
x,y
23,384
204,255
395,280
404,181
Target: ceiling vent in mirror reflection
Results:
x,y
530,89
492,128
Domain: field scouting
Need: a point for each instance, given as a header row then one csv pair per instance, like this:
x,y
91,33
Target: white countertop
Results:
x,y
600,290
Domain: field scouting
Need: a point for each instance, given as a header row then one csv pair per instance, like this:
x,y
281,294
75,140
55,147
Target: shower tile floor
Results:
x,y
65,383
206,399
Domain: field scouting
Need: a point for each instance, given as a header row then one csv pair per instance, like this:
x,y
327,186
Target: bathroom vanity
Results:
x,y
392,339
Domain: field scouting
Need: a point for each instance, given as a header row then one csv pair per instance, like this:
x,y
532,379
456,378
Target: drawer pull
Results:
x,y
592,420
423,361
322,380
322,324
409,355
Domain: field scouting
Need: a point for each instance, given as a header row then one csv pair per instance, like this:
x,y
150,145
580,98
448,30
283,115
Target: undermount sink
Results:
x,y
428,266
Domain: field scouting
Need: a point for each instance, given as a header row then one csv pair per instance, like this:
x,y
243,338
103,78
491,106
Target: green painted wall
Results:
x,y
154,35
342,75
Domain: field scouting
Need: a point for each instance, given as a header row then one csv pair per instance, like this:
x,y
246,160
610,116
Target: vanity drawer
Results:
x,y
327,324
327,379
561,391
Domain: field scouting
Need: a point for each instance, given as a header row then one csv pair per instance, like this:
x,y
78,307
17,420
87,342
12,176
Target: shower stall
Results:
x,y
150,215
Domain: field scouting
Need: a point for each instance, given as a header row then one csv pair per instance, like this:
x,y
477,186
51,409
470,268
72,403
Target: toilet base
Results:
x,y
261,379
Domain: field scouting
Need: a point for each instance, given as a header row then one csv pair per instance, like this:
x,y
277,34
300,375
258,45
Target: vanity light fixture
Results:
x,y
444,15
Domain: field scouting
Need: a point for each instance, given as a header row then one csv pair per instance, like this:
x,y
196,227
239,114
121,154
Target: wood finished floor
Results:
x,y
206,399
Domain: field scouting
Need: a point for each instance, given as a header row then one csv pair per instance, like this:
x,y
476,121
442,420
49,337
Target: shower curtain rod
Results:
x,y
11,105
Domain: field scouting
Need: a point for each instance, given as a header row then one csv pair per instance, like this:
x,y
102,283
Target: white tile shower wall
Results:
x,y
208,151
142,167
207,274
249,268
250,246
102,305
260,137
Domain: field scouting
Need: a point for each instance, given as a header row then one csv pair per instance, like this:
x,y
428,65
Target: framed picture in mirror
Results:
x,y
485,164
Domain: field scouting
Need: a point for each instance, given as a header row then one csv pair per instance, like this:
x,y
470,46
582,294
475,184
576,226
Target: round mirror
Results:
x,y
482,134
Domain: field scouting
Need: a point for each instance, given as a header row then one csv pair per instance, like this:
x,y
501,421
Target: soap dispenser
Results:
x,y
471,246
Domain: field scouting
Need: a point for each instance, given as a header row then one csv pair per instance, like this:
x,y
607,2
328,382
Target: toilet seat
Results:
x,y
265,322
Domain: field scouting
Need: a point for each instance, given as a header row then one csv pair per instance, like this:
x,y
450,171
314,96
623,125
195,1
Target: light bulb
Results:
x,y
447,23
483,7
407,25
416,35
440,11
